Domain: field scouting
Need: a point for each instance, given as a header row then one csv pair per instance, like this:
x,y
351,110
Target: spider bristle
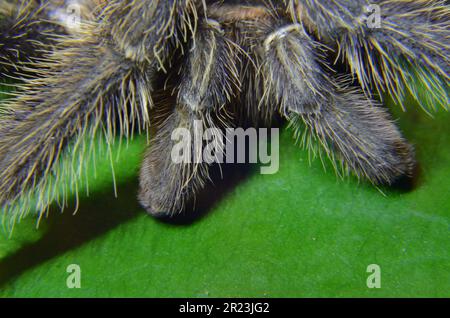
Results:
x,y
407,51
357,135
32,29
406,54
166,187
85,88
292,71
209,75
85,93
24,33
197,64
206,83
145,30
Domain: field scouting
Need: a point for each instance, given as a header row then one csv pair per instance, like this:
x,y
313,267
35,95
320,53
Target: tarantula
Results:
x,y
140,64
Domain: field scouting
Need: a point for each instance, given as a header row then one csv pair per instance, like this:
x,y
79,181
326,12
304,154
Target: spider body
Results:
x,y
318,64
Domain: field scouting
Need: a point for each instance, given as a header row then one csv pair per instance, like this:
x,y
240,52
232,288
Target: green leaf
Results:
x,y
298,233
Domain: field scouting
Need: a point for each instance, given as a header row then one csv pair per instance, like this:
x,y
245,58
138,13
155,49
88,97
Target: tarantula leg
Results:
x,y
291,68
358,136
87,89
282,66
88,85
391,46
208,82
353,131
173,170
